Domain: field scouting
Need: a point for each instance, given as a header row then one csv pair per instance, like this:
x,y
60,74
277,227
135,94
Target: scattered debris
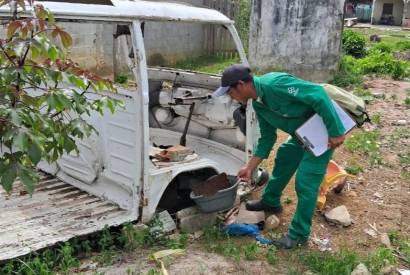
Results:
x,y
174,153
384,239
157,256
339,215
378,95
323,242
371,232
211,186
400,122
272,222
361,269
378,195
389,269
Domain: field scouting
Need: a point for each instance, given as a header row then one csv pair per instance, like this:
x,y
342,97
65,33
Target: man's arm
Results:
x,y
263,148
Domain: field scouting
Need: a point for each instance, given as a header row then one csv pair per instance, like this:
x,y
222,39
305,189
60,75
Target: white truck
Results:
x,y
113,179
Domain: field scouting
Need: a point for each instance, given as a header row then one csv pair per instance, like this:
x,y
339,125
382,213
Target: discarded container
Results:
x,y
335,179
222,200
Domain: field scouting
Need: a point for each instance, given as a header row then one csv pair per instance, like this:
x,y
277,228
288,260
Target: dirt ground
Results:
x,y
377,196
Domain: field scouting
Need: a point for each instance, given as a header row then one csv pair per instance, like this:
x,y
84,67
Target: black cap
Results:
x,y
231,76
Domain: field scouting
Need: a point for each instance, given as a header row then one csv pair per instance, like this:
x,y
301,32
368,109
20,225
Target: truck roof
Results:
x,y
121,11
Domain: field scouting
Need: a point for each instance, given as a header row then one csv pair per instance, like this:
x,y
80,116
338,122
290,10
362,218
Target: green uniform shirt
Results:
x,y
285,102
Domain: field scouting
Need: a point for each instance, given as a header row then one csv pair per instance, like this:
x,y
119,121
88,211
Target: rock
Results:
x,y
378,195
400,122
378,95
361,269
197,221
272,222
370,232
389,269
339,215
352,194
384,239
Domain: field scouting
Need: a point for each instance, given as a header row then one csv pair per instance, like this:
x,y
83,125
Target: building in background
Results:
x,y
391,12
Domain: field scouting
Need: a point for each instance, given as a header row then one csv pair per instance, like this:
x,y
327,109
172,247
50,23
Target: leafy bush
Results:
x,y
354,44
348,73
382,47
403,45
383,64
46,124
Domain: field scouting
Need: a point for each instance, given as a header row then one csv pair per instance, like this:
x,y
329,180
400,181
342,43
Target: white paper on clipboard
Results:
x,y
313,133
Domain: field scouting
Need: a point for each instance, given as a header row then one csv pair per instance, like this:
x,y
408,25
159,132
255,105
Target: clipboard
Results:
x,y
313,133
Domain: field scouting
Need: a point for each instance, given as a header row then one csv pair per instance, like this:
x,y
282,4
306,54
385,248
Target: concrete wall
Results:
x,y
398,7
302,37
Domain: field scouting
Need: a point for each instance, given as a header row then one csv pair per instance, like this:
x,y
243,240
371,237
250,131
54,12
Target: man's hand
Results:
x,y
335,142
245,173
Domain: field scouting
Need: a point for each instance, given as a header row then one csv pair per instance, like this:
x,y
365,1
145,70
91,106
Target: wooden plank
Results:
x,y
56,212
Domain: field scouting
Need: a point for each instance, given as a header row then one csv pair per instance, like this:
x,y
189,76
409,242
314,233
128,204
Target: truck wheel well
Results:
x,y
176,195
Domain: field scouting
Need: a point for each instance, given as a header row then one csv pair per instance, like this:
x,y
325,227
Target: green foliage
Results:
x,y
379,259
348,74
376,118
66,258
407,101
382,48
251,251
46,124
401,243
354,169
271,255
342,262
365,143
382,63
354,44
403,45
242,21
207,64
122,78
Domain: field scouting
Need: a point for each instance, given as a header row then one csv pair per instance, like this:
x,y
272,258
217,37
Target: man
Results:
x,y
282,101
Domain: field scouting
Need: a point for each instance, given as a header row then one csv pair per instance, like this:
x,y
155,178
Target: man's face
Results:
x,y
239,92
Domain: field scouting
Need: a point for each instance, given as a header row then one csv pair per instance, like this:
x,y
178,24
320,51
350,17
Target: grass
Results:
x,y
366,144
108,246
342,262
207,64
354,169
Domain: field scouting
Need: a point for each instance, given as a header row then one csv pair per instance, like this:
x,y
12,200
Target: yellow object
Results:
x,y
157,256
335,178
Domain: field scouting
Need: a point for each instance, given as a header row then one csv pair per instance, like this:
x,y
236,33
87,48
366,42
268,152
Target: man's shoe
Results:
x,y
288,243
258,205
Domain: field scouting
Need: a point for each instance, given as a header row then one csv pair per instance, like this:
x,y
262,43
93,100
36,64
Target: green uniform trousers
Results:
x,y
291,156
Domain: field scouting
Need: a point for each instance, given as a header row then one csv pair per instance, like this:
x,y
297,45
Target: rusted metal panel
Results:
x,y
56,212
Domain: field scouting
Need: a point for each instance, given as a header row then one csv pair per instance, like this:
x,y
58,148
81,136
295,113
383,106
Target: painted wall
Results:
x,y
302,37
398,7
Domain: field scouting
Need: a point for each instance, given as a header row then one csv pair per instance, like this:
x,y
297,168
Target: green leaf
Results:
x,y
21,141
27,177
110,105
52,53
34,153
69,144
8,177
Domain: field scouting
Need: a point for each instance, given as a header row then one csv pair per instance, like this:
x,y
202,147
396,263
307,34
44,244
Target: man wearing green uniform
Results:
x,y
282,101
